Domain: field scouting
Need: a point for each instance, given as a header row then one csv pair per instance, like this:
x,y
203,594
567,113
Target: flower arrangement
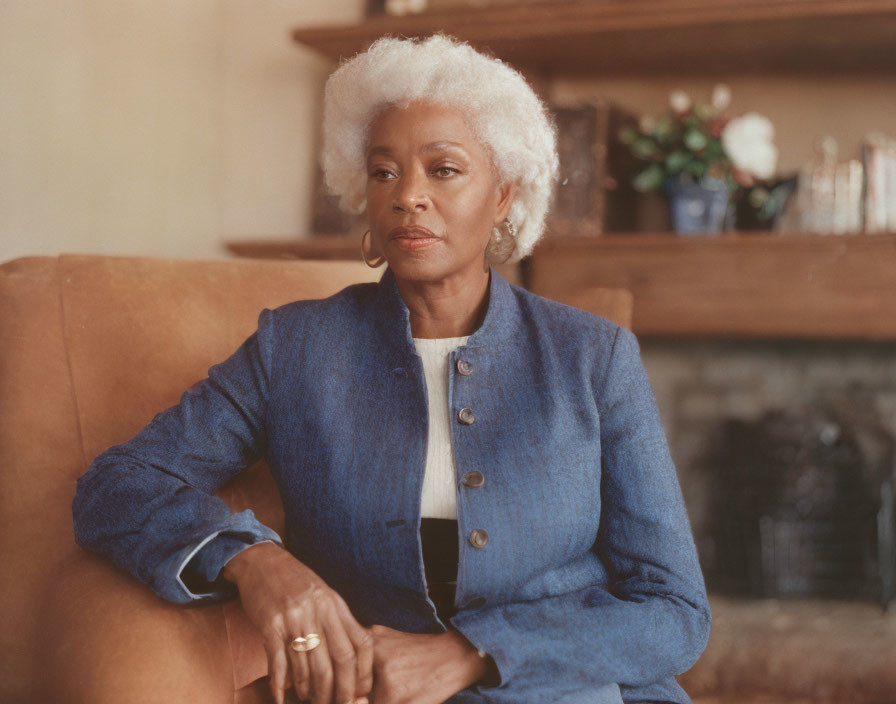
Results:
x,y
694,141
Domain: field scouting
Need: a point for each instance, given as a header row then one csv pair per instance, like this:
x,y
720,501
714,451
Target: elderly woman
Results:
x,y
480,501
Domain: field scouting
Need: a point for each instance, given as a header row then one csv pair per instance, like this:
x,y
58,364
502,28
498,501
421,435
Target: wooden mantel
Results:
x,y
736,285
732,285
633,36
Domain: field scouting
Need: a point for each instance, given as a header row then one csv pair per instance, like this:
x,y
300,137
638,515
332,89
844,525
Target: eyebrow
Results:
x,y
429,147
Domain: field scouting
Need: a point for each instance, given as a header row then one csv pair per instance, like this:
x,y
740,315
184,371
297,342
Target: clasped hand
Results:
x,y
284,598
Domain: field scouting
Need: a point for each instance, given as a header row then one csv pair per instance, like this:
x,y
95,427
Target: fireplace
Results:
x,y
785,453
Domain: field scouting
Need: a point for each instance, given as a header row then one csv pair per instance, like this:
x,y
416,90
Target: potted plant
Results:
x,y
700,157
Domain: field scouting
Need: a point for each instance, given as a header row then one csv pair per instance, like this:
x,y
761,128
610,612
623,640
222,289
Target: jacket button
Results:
x,y
473,480
464,367
465,416
479,538
476,603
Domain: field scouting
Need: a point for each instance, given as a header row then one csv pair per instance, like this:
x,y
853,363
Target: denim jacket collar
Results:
x,y
394,319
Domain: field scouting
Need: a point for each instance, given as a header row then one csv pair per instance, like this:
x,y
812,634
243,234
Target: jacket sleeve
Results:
x,y
652,620
147,504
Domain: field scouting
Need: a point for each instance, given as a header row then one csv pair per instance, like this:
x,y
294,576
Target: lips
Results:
x,y
413,238
411,232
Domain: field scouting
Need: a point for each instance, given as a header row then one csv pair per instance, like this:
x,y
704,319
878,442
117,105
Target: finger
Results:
x,y
301,671
279,669
343,658
362,641
321,670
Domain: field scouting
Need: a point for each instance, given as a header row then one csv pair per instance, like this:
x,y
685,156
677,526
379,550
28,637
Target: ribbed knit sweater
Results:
x,y
439,487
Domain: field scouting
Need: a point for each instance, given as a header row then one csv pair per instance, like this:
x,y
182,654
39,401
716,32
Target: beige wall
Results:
x,y
156,128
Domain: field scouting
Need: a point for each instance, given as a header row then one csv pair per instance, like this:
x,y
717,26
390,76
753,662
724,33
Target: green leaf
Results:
x,y
627,134
676,161
665,126
696,168
704,111
649,179
695,140
643,147
713,151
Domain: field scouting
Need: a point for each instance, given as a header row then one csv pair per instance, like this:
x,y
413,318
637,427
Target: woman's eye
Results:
x,y
446,171
379,173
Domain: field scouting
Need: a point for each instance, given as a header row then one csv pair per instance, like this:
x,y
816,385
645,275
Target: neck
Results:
x,y
446,308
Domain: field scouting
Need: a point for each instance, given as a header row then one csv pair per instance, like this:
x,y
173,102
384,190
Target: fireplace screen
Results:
x,y
802,504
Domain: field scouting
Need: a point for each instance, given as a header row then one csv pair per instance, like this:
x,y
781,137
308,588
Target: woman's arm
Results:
x,y
652,620
147,504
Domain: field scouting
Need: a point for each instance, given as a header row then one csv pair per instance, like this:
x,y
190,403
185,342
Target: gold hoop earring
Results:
x,y
501,247
377,262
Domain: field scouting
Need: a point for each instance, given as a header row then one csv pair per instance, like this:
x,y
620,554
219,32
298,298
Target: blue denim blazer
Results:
x,y
589,588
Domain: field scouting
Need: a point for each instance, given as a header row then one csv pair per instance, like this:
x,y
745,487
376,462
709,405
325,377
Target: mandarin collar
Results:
x,y
394,318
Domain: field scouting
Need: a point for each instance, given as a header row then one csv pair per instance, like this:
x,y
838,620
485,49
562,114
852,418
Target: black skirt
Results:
x,y
440,557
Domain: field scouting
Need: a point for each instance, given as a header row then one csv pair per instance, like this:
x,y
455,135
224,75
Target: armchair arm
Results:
x,y
108,638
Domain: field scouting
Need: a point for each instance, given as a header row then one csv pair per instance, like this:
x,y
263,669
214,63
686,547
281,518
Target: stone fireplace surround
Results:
x,y
774,650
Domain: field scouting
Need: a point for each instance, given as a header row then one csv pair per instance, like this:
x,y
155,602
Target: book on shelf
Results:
x,y
594,194
879,158
849,197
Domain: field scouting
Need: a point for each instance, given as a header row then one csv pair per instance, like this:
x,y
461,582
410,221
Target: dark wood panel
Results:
x,y
655,35
732,285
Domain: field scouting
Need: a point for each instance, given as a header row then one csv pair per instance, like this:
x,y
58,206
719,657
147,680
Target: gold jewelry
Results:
x,y
377,262
303,644
509,226
500,247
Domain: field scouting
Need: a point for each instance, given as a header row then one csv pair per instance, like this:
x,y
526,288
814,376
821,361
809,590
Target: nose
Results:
x,y
410,193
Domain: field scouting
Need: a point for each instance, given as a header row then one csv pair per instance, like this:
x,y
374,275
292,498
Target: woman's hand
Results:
x,y
284,598
422,668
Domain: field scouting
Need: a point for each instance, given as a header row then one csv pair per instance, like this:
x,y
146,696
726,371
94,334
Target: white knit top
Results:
x,y
439,489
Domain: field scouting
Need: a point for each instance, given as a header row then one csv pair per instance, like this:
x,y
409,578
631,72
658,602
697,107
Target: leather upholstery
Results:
x,y
91,347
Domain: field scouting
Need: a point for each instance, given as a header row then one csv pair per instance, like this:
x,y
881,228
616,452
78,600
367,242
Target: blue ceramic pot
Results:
x,y
698,207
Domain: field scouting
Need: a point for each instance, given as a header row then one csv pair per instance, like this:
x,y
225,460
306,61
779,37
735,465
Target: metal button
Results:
x,y
479,538
476,603
464,367
465,416
473,480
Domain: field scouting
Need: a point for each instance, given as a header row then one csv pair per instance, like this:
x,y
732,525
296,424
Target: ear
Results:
x,y
506,195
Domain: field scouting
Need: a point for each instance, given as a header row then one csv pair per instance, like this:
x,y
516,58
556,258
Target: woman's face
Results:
x,y
426,170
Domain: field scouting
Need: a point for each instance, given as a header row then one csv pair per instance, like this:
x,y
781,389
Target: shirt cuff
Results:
x,y
199,573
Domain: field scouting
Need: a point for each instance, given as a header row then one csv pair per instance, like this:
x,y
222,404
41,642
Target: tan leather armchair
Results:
x,y
91,348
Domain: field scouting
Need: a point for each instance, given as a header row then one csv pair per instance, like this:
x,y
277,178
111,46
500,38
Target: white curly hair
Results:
x,y
503,112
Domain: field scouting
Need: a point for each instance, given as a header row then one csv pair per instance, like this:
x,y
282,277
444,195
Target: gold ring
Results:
x,y
303,644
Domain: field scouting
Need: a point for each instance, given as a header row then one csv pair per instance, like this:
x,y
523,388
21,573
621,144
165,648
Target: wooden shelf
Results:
x,y
330,247
316,247
634,36
732,285
761,285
